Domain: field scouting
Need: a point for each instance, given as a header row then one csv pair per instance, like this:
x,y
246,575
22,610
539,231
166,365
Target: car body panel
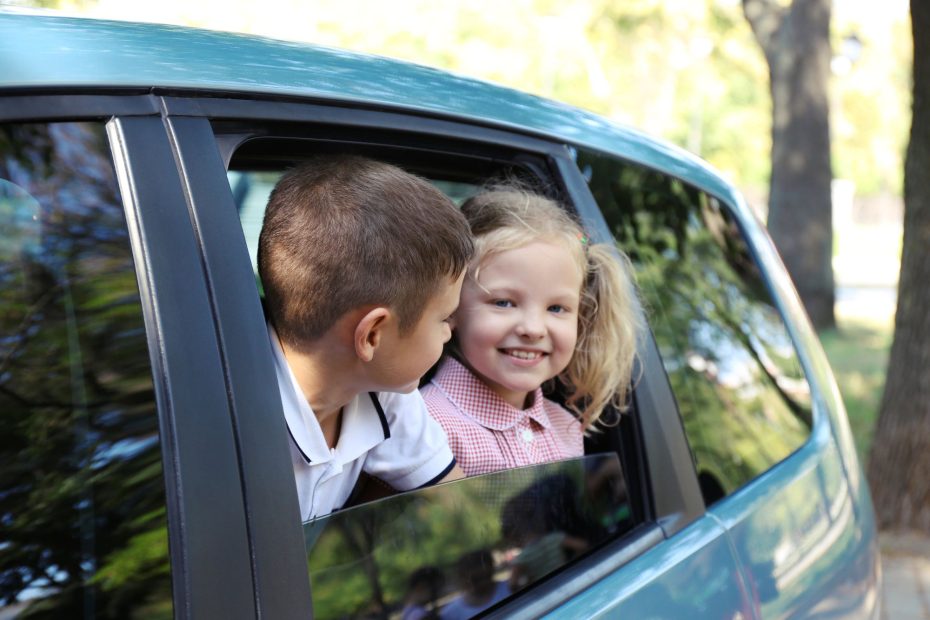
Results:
x,y
795,531
693,573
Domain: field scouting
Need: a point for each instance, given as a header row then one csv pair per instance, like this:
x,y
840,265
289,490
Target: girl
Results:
x,y
539,303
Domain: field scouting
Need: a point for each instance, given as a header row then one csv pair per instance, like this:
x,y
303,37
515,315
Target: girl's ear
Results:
x,y
369,332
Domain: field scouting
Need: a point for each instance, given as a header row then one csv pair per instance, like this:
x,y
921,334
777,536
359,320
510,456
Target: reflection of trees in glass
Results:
x,y
81,489
361,559
739,386
366,567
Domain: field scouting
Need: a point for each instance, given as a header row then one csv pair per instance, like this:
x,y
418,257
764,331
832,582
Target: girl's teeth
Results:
x,y
525,355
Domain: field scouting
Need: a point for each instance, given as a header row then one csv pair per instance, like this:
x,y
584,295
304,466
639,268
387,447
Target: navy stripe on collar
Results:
x,y
296,445
384,422
440,476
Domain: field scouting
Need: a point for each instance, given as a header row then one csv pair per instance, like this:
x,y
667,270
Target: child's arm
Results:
x,y
455,474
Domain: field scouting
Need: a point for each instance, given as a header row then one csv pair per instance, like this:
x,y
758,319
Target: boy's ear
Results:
x,y
369,331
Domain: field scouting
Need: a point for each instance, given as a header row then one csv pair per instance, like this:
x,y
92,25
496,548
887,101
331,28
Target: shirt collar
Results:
x,y
364,424
481,403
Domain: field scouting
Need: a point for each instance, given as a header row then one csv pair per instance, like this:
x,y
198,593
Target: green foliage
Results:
x,y
54,4
689,71
142,557
870,115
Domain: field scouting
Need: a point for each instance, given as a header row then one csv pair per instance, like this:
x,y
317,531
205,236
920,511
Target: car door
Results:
x,y
217,139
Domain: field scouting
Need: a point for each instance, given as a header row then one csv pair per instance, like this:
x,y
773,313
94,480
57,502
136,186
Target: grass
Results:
x,y
858,352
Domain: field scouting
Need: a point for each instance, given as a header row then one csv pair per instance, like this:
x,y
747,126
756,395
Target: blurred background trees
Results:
x,y
689,71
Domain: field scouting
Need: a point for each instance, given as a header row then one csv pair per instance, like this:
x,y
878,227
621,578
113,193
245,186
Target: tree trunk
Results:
x,y
899,467
796,44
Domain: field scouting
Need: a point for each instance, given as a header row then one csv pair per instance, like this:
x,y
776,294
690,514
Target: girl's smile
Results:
x,y
529,356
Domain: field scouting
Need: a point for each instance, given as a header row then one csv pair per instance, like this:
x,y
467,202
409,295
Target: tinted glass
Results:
x,y
460,547
82,498
739,386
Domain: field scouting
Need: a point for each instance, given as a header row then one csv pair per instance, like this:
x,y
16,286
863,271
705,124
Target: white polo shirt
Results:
x,y
390,436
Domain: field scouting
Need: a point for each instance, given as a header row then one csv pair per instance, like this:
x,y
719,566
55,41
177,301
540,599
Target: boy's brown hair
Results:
x,y
345,232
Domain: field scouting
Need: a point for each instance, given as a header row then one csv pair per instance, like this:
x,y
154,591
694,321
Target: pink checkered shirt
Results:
x,y
487,434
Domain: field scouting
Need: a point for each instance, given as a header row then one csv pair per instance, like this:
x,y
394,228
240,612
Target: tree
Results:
x,y
795,40
900,455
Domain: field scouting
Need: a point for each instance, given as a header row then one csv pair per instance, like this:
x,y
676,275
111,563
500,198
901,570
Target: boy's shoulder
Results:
x,y
395,405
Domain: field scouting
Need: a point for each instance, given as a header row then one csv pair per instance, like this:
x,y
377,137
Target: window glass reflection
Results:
x,y
739,386
82,500
453,550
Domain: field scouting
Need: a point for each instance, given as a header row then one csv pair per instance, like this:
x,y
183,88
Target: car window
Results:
x,y
735,374
82,497
414,554
458,548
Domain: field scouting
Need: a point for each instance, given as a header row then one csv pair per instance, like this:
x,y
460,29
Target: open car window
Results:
x,y
459,548
456,549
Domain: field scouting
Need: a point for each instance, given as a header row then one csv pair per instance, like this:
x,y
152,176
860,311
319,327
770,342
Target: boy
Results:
x,y
361,265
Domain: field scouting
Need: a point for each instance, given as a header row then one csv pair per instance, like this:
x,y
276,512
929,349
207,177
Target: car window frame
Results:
x,y
665,455
210,536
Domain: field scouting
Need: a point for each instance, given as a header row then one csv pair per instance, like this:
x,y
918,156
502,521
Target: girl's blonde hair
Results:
x,y
609,325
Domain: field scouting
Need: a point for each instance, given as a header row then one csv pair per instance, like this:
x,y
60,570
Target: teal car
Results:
x,y
145,470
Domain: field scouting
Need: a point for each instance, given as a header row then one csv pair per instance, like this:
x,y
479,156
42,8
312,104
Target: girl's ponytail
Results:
x,y
609,331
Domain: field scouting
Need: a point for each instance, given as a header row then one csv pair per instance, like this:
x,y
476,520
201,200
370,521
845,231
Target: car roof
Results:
x,y
43,52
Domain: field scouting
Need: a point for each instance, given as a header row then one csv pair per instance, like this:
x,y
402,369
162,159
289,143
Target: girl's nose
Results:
x,y
531,326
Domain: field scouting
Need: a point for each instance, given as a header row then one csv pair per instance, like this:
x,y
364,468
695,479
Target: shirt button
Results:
x,y
526,435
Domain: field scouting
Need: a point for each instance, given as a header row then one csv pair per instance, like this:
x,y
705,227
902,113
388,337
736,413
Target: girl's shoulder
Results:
x,y
556,411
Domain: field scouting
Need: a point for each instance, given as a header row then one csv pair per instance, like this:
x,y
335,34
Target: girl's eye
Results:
x,y
502,303
557,309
